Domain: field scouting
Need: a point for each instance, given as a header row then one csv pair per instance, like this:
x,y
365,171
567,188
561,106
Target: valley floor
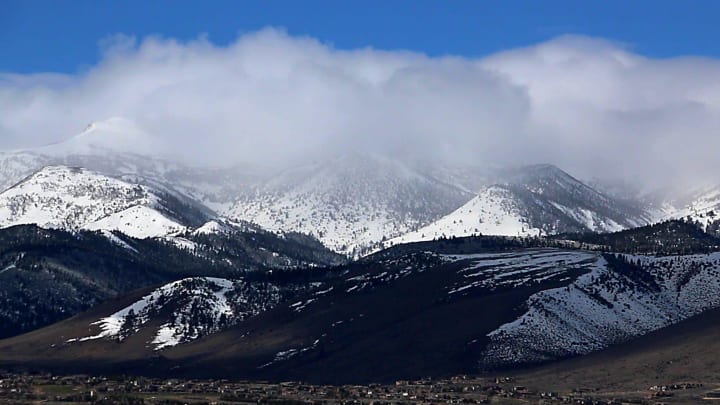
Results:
x,y
80,389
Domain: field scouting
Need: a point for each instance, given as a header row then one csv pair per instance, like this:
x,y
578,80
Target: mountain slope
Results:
x,y
350,203
117,147
353,325
476,303
675,237
112,135
534,200
702,209
683,352
594,210
495,211
73,198
188,309
47,275
15,166
622,297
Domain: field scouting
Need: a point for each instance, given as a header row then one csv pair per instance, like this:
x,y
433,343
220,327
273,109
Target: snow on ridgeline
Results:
x,y
350,202
540,199
493,270
15,166
188,309
605,298
139,222
121,148
492,212
225,226
704,209
608,306
73,198
112,135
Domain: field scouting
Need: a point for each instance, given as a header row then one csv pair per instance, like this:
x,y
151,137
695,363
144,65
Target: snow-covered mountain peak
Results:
x,y
533,200
496,210
224,226
212,227
350,202
541,178
114,135
74,198
115,127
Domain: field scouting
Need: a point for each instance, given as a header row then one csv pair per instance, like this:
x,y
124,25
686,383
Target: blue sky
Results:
x,y
63,36
518,89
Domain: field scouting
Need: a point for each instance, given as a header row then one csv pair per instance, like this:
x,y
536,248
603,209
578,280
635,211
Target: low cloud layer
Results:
x,y
590,106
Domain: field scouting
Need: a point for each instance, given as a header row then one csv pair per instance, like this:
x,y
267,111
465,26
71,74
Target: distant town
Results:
x,y
80,389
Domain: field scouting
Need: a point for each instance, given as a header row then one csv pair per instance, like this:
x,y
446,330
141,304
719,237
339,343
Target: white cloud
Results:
x,y
590,106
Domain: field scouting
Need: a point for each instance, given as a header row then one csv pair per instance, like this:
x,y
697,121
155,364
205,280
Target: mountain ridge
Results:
x,y
75,198
533,200
548,304
355,203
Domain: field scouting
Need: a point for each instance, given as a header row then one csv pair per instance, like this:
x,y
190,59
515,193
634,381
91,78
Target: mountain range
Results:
x,y
350,268
353,203
477,303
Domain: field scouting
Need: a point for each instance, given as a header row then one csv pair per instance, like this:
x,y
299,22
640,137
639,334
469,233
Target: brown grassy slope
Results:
x,y
404,329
